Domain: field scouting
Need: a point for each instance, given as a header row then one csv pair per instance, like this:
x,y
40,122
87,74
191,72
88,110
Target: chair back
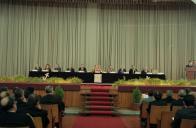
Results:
x,y
37,122
188,123
53,113
176,108
166,119
155,113
144,113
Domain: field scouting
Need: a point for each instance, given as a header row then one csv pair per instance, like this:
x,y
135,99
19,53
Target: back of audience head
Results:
x,y
169,93
181,93
8,104
19,93
28,91
187,90
157,95
189,101
150,93
4,94
3,89
194,95
33,100
49,89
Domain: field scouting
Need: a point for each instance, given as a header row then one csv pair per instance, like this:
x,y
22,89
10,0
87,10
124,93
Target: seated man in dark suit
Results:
x,y
180,100
132,70
121,70
71,69
189,112
34,109
21,100
9,117
158,102
51,98
169,97
82,68
57,68
28,91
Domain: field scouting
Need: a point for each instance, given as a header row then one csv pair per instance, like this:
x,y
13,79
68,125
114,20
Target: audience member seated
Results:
x,y
57,68
9,116
150,97
28,91
188,93
189,112
82,68
158,100
121,70
20,99
180,100
169,97
143,72
38,68
97,69
51,98
147,100
47,67
4,92
34,109
3,88
2,95
132,70
110,69
70,70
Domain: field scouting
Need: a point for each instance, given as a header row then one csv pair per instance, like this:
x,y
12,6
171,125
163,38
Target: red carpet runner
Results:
x,y
98,122
99,101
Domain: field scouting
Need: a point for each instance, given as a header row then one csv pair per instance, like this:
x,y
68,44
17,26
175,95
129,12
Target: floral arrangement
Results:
x,y
155,82
53,80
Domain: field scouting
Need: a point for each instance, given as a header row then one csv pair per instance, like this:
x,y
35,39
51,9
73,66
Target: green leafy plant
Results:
x,y
136,94
74,80
55,80
119,82
59,91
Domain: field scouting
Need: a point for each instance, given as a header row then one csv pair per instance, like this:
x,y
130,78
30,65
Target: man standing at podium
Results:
x,y
191,70
190,63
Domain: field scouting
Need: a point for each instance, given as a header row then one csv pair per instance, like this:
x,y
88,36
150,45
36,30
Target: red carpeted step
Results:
x,y
97,98
100,112
105,108
99,90
99,94
99,103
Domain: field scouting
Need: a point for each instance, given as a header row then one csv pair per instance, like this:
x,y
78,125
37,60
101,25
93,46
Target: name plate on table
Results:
x,y
97,78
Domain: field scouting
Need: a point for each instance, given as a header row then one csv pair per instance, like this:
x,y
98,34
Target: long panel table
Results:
x,y
89,76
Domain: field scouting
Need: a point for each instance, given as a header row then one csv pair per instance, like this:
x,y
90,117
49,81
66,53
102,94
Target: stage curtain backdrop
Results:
x,y
162,39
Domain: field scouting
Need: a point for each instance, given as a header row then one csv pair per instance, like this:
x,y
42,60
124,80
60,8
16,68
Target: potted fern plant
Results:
x,y
59,92
136,96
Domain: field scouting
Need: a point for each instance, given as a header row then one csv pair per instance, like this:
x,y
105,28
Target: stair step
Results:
x,y
93,107
98,94
98,98
99,103
99,90
93,112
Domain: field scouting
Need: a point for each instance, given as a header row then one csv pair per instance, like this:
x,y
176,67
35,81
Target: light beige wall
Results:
x,y
161,39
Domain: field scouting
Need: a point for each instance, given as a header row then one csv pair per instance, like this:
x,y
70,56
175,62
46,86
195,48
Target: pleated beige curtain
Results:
x,y
157,38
